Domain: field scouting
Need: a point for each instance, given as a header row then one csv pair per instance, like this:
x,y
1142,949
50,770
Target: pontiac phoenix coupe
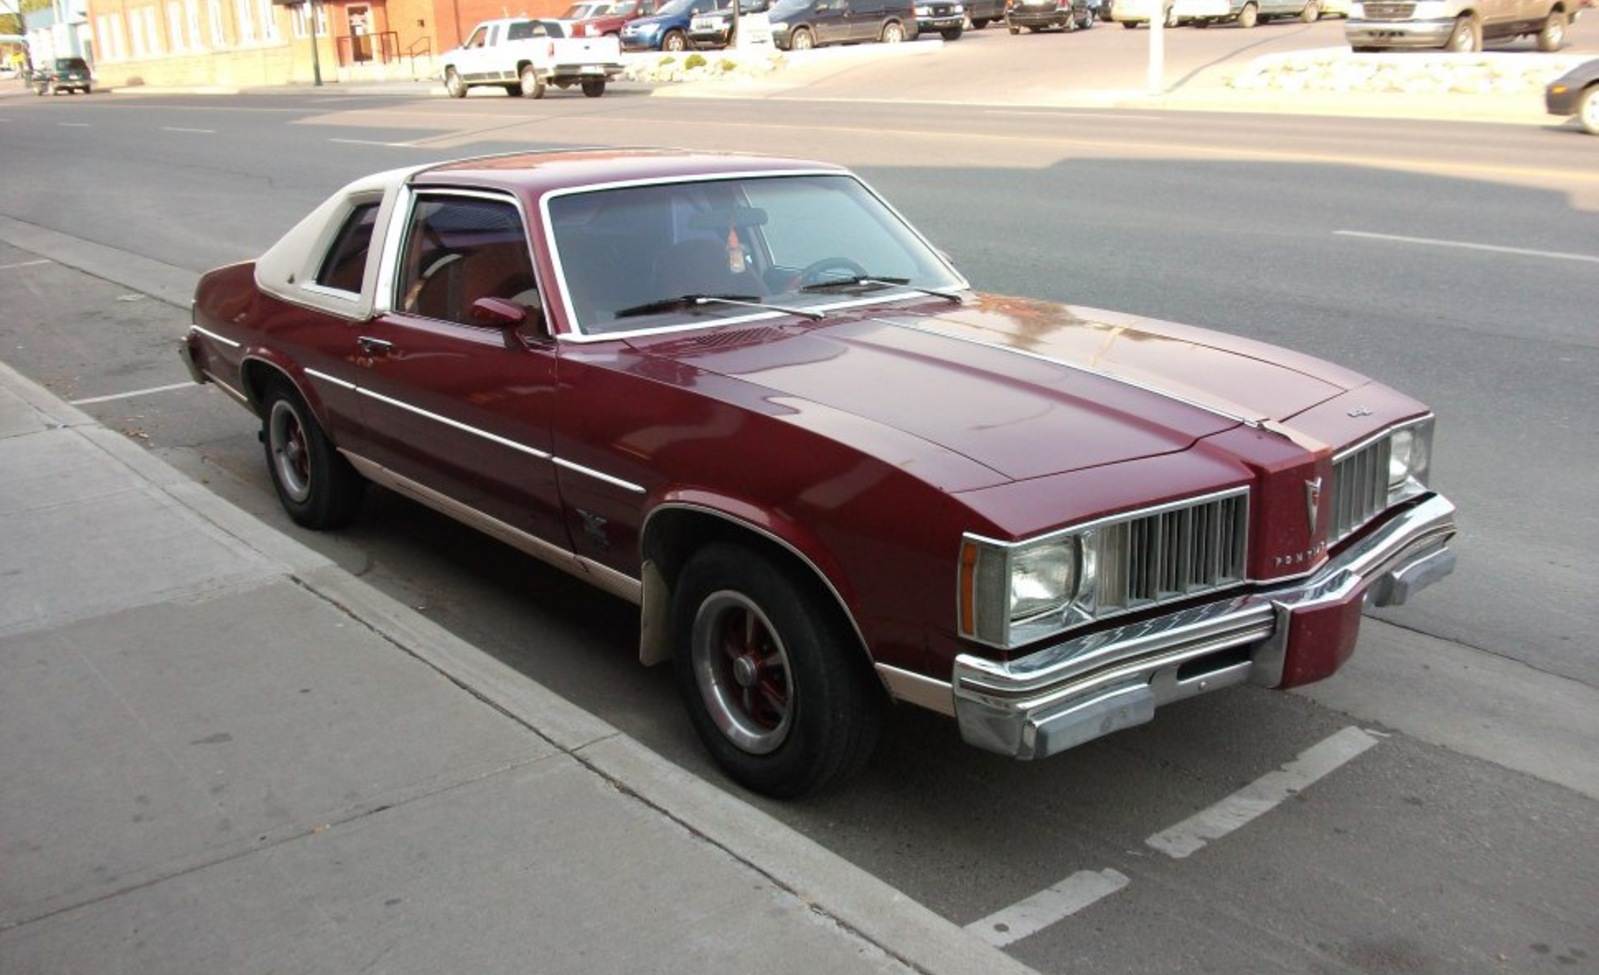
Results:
x,y
744,394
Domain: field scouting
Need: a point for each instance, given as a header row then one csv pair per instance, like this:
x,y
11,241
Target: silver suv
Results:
x,y
1456,25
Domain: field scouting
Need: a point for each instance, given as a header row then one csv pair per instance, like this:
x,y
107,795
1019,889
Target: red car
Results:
x,y
745,394
600,19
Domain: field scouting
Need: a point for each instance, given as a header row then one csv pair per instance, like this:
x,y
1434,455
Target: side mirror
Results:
x,y
499,312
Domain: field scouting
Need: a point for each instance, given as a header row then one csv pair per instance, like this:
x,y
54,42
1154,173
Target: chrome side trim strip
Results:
x,y
332,380
223,385
591,472
492,437
215,337
616,583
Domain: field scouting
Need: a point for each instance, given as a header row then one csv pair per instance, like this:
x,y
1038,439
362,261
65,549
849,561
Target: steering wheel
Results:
x,y
817,272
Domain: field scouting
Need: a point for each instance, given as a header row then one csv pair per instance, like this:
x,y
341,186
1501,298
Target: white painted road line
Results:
x,y
370,142
1048,906
179,128
1262,795
10,267
136,392
1491,248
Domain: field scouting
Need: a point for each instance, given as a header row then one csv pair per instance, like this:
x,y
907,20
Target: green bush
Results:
x,y
694,61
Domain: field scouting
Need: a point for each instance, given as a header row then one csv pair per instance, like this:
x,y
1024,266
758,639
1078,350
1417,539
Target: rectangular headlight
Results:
x,y
1007,591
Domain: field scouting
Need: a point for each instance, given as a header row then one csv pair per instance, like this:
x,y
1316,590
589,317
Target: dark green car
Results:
x,y
62,74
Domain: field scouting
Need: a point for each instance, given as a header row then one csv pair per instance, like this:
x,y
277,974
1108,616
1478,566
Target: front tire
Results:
x,y
952,34
315,484
674,40
803,40
1311,13
453,84
1249,16
1588,110
773,680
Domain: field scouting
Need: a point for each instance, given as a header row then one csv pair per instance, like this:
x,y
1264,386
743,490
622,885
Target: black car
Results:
x,y
946,18
62,74
799,25
1576,93
1035,15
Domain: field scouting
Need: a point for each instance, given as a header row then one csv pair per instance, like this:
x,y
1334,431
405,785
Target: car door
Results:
x,y
474,59
452,405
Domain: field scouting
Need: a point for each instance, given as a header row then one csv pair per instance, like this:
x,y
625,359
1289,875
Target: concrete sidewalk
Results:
x,y
225,754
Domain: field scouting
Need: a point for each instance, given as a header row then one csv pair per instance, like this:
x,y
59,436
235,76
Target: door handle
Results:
x,y
372,346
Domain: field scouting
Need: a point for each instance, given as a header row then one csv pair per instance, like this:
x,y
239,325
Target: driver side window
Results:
x,y
459,249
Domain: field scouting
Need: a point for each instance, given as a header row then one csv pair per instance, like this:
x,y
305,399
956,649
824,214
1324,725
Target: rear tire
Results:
x,y
892,33
1553,35
593,87
1249,16
315,484
1466,38
773,680
1311,13
529,82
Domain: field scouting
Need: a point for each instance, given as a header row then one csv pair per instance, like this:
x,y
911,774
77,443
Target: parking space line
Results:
x,y
1262,795
11,267
1048,906
373,142
130,395
1463,245
179,128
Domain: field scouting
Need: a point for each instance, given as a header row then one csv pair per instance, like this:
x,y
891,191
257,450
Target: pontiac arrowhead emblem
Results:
x,y
1313,502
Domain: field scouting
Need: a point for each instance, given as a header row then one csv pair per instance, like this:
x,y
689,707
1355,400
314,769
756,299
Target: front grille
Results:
x,y
1172,553
1390,11
1360,487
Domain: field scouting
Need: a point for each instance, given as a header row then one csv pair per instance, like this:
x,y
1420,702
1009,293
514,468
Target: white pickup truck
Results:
x,y
523,56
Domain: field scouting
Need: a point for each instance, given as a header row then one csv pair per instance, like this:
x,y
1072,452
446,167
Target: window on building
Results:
x,y
191,17
245,13
269,21
175,25
213,13
140,51
152,34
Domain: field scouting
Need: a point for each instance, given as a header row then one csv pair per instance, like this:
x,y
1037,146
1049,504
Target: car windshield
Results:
x,y
674,8
677,255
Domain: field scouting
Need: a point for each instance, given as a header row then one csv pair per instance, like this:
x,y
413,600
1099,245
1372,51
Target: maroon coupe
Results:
x,y
746,395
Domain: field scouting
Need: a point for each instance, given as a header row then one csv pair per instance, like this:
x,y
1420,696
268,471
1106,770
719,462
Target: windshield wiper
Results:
x,y
860,279
687,302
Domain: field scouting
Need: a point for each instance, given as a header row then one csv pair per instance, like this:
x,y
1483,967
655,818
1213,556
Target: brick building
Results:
x,y
247,43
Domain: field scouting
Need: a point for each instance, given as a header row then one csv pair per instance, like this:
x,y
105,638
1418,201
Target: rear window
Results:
x,y
71,64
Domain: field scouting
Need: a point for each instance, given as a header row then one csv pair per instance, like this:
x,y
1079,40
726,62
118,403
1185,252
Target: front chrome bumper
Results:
x,y
1081,689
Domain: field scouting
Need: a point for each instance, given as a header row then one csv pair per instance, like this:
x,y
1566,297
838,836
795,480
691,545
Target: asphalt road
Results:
x,y
1454,261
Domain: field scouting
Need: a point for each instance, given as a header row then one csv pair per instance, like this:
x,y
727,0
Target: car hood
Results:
x,y
1024,388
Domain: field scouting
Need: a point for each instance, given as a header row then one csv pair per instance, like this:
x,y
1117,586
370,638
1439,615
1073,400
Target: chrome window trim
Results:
x,y
579,335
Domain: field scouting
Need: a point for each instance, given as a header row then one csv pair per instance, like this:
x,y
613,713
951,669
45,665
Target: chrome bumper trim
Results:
x,y
1092,685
